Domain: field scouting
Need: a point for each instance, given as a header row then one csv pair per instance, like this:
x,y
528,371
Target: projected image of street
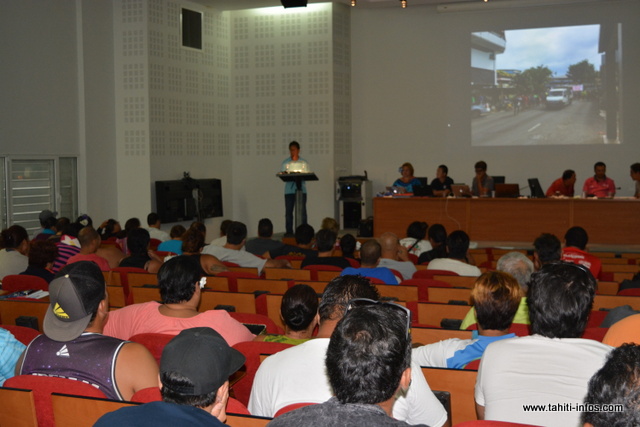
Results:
x,y
547,86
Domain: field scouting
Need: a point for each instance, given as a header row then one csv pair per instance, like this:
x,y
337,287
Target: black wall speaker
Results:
x,y
294,3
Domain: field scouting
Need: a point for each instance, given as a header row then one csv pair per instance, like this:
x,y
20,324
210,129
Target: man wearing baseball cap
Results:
x,y
73,345
194,371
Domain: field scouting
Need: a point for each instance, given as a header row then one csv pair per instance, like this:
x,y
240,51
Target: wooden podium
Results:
x,y
298,178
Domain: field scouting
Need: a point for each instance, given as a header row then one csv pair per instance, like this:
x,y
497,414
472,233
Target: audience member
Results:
x,y
438,238
10,351
441,185
181,284
304,244
131,224
599,185
495,297
326,243
175,243
546,248
14,242
73,345
395,256
192,244
407,180
109,229
482,184
231,251
61,223
575,245
68,246
299,312
298,374
457,256
520,267
89,244
153,227
616,383
41,256
415,241
194,371
348,246
140,256
264,242
368,366
635,175
329,223
623,331
44,218
370,253
553,365
48,229
222,240
563,186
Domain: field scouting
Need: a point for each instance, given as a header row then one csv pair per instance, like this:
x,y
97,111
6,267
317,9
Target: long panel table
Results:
x,y
611,221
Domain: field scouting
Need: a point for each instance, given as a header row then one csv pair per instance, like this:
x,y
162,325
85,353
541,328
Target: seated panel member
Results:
x,y
599,185
407,180
635,175
563,186
482,184
441,185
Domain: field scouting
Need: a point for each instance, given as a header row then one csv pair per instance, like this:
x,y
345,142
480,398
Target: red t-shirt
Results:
x,y
575,255
558,187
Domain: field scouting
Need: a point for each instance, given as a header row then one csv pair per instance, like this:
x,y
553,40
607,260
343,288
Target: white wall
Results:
x,y
410,95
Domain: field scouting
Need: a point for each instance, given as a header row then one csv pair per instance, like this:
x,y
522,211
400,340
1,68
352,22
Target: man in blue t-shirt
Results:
x,y
370,253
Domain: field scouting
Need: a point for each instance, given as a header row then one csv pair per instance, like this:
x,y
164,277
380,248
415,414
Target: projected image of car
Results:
x,y
558,98
478,110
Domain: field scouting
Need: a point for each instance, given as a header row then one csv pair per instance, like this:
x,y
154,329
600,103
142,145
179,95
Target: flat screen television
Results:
x,y
188,199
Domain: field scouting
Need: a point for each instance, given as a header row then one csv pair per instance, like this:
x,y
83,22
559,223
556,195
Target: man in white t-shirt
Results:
x,y
153,227
457,260
232,250
395,256
298,374
550,368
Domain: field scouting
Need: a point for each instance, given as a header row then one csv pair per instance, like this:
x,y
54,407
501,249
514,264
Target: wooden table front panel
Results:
x,y
615,222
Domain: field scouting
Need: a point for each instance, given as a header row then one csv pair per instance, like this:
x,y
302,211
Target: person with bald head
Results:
x,y
369,259
395,256
89,243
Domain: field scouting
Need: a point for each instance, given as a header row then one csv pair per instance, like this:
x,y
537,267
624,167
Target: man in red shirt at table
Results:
x,y
563,187
575,243
599,185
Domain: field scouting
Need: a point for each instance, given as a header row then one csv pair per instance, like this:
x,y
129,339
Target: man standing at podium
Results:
x,y
294,164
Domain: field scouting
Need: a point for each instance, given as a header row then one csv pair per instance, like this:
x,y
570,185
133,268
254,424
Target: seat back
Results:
x,y
21,282
42,388
18,408
258,319
155,343
287,273
292,407
460,384
428,274
23,334
252,351
79,411
124,280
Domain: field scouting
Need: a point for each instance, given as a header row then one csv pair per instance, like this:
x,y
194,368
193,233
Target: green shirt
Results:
x,y
522,315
